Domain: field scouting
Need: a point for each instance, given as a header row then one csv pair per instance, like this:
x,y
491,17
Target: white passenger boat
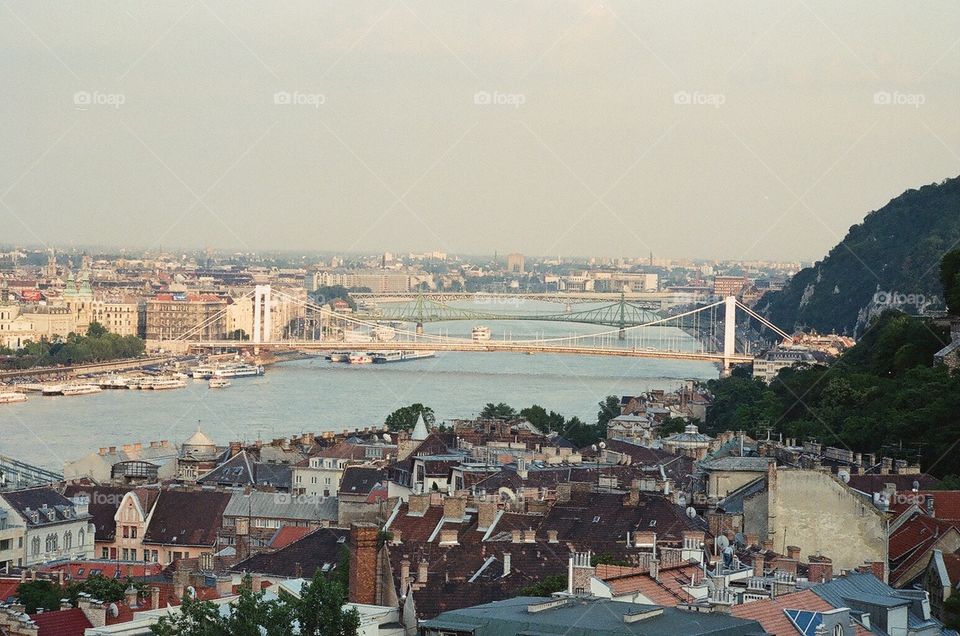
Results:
x,y
358,357
237,370
52,389
218,383
9,398
339,356
80,389
161,384
480,333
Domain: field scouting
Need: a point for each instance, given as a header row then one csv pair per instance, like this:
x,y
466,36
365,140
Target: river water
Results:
x,y
316,395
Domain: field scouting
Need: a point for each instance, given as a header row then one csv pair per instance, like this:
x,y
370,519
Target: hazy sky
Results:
x,y
709,129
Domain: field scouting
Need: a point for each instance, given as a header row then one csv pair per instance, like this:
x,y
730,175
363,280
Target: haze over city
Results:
x,y
718,130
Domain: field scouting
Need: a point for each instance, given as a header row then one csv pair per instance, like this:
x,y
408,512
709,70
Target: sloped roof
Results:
x,y
301,558
770,612
187,518
104,502
71,622
36,499
272,505
285,535
856,588
360,480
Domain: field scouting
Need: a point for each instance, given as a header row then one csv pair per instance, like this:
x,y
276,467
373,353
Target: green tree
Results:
x,y
319,611
950,279
542,420
609,409
499,411
405,417
96,330
39,594
195,618
251,615
545,586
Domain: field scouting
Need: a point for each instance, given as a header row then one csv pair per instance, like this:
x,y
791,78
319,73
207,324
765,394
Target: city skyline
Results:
x,y
569,129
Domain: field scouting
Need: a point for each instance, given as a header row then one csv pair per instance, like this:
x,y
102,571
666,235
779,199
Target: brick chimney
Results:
x,y
486,514
552,536
879,570
95,611
821,569
155,598
418,505
793,552
758,564
181,579
886,466
130,596
363,563
752,538
404,576
580,573
515,536
785,565
767,544
530,536
448,536
423,571
507,563
454,508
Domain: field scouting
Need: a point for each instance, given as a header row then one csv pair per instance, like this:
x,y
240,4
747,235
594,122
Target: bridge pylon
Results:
x,y
729,332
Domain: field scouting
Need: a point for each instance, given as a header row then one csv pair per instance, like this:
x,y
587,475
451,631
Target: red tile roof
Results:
x,y
71,622
8,588
287,535
946,503
667,591
913,540
770,615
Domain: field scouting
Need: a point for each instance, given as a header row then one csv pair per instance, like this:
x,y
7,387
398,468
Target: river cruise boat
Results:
x,y
80,389
9,398
480,333
219,383
383,357
52,389
339,356
162,384
114,382
358,357
237,370
203,371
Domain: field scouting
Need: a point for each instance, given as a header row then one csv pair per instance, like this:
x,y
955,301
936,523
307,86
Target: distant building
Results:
x,y
724,286
52,527
767,366
377,281
193,316
515,263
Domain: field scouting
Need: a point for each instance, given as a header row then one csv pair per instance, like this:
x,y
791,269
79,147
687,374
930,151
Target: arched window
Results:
x,y
67,540
35,546
80,539
838,630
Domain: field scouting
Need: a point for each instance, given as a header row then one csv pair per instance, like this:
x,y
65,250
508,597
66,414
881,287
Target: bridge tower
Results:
x,y
622,334
729,331
262,320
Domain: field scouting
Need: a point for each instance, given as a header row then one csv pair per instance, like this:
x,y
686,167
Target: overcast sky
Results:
x,y
693,129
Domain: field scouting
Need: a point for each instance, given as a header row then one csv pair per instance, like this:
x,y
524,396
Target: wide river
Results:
x,y
316,395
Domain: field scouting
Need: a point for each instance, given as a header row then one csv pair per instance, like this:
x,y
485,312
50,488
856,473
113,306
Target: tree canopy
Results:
x,y
99,345
405,417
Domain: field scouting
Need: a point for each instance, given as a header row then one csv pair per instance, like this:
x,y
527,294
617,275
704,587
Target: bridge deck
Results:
x,y
490,346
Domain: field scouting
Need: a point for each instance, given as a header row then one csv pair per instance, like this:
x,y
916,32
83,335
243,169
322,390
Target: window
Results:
x,y
35,546
838,630
133,532
105,553
126,532
80,538
67,540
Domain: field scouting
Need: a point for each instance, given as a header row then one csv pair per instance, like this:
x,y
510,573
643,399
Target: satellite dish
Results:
x,y
387,438
723,542
844,476
114,610
192,592
916,485
739,539
603,444
692,513
681,500
594,447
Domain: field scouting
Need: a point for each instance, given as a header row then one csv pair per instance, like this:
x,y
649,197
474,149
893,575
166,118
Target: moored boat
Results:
x,y
480,333
218,383
9,398
359,357
80,389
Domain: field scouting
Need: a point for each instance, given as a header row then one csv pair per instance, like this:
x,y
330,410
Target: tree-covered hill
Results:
x,y
889,261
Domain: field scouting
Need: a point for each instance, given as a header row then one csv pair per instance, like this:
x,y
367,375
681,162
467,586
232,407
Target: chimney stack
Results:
x,y
363,563
423,571
404,576
793,552
507,563
758,564
154,598
130,596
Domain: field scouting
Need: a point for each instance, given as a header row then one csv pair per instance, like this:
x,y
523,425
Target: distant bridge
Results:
x,y
17,474
652,300
637,332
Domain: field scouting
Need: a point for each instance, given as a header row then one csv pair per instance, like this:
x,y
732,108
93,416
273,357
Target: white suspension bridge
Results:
x,y
707,337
